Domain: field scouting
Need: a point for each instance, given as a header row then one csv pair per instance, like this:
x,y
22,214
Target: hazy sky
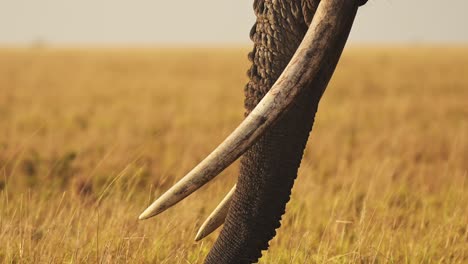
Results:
x,y
211,21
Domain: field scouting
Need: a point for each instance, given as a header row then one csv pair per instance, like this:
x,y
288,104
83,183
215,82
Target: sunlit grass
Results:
x,y
89,137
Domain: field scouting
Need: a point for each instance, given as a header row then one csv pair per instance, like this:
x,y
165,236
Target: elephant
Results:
x,y
297,45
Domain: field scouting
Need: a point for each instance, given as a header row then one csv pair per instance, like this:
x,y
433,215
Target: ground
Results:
x,y
90,136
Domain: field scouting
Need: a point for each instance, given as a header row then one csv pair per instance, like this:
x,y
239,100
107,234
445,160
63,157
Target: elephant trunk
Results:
x,y
269,168
267,174
292,65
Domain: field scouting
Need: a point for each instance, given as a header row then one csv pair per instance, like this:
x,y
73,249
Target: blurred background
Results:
x,y
104,104
144,22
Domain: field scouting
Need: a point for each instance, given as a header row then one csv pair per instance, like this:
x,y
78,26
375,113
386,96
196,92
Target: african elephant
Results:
x,y
297,45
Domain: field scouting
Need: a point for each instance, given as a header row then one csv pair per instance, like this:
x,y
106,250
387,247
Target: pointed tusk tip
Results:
x,y
148,213
154,209
199,236
142,217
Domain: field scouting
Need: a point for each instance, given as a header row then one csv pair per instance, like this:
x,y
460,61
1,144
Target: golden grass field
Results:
x,y
89,137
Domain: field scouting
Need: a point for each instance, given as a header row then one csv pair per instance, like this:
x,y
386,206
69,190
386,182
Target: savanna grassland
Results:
x,y
89,137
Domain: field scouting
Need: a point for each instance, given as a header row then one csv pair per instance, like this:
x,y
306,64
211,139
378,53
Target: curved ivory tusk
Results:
x,y
217,217
317,49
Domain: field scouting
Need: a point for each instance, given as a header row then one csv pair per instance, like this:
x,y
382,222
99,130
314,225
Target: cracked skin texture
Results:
x,y
268,169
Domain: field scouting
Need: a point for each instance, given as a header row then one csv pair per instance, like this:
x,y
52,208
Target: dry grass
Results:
x,y
89,137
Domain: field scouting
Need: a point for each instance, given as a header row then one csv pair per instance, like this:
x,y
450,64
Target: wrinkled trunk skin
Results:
x,y
269,167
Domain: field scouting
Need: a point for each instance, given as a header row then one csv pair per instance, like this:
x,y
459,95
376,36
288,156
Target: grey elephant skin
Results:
x,y
297,45
269,168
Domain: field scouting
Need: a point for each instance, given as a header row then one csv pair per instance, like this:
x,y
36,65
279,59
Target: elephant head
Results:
x,y
297,45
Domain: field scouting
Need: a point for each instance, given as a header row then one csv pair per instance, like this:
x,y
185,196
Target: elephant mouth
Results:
x,y
321,44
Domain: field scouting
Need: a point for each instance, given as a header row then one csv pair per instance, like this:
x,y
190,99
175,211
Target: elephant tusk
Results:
x,y
217,217
316,50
